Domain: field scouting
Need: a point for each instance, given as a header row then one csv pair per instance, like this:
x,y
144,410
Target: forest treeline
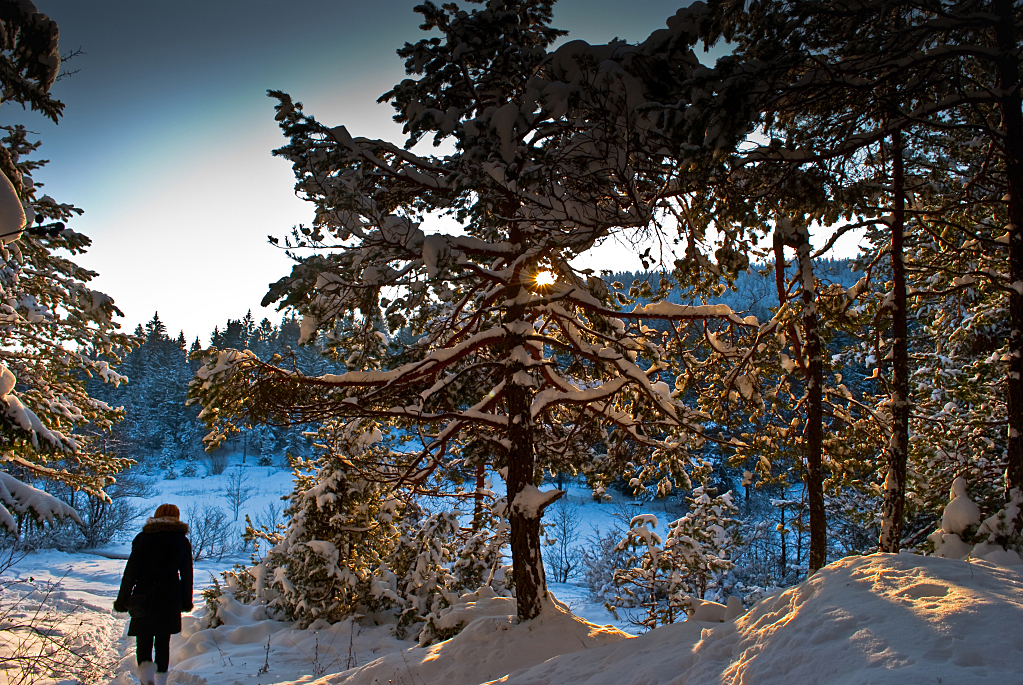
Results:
x,y
161,431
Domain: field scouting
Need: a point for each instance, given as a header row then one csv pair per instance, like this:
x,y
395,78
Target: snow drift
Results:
x,y
883,618
489,647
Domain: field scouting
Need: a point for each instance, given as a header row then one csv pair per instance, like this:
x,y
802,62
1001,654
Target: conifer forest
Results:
x,y
473,412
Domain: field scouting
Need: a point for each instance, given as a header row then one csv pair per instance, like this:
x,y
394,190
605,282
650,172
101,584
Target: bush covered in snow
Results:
x,y
357,548
666,578
998,538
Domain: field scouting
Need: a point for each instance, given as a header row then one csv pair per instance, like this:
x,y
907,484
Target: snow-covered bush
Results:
x,y
600,558
962,534
355,547
420,567
480,558
667,578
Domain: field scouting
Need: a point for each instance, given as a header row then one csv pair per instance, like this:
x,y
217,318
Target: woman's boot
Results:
x,y
147,672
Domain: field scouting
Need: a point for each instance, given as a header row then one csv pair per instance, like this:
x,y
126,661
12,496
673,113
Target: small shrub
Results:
x,y
216,463
209,532
237,492
561,528
600,559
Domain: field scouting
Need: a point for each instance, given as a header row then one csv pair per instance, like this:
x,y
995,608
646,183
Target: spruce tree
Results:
x,y
57,331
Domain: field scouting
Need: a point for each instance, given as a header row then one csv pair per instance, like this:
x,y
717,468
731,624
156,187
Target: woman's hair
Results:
x,y
167,511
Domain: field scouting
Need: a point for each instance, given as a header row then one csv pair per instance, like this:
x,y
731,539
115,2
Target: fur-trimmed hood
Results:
x,y
165,525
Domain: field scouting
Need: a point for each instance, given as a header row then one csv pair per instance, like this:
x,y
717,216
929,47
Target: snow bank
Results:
x,y
883,618
250,649
491,646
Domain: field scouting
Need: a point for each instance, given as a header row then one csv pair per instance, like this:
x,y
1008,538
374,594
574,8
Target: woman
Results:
x,y
155,589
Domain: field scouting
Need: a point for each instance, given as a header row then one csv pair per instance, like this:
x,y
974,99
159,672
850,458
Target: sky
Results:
x,y
167,132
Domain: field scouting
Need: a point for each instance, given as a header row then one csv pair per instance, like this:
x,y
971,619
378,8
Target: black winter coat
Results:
x,y
159,567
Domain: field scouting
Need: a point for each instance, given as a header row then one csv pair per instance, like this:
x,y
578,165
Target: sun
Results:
x,y
544,279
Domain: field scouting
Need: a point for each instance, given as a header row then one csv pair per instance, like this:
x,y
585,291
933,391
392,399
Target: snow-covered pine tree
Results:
x,y
421,563
702,544
837,81
330,562
57,330
480,557
352,548
667,577
648,582
503,340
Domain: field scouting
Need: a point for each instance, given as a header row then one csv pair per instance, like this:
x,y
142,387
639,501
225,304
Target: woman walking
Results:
x,y
155,589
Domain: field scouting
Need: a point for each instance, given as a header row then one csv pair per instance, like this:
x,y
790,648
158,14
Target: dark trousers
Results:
x,y
144,650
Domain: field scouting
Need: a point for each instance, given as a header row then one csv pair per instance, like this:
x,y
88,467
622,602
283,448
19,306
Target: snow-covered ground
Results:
x,y
876,619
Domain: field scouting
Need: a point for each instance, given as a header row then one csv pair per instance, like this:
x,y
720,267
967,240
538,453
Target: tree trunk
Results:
x,y
477,507
527,565
893,506
1011,103
813,435
784,566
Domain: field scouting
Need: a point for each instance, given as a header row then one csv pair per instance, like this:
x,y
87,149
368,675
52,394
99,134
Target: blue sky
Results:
x,y
167,132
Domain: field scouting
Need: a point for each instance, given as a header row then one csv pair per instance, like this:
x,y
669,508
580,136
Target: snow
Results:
x,y
20,498
7,381
490,647
961,515
961,512
531,501
879,618
670,309
30,422
12,212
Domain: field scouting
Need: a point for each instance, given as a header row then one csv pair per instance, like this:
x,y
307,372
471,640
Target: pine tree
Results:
x,y
329,562
667,577
508,344
833,86
57,330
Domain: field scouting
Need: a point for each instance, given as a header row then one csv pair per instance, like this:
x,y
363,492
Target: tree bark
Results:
x,y
527,564
1011,104
893,505
524,533
477,505
813,433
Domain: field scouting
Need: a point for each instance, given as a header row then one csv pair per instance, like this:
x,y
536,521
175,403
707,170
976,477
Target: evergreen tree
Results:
x,y
667,578
57,330
329,562
505,333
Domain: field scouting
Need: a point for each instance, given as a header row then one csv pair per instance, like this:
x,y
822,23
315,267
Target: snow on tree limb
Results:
x,y
17,498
